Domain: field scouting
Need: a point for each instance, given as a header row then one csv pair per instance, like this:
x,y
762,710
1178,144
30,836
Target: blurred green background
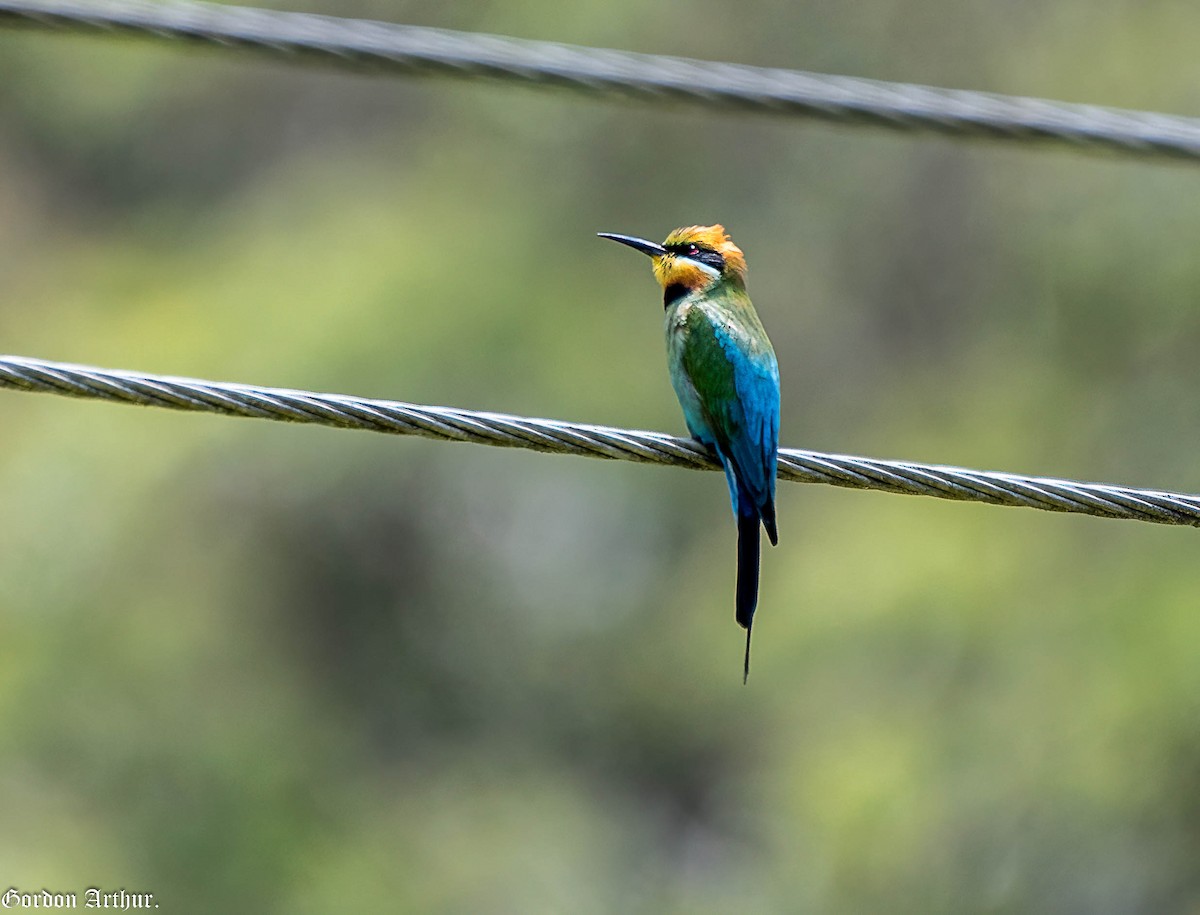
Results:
x,y
254,667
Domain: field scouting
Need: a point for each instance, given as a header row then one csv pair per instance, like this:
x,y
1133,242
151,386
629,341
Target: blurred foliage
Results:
x,y
250,667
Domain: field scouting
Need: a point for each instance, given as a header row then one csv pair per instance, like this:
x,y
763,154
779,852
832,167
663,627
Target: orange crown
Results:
x,y
716,238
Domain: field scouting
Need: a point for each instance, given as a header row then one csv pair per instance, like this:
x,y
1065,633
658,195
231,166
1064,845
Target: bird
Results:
x,y
725,374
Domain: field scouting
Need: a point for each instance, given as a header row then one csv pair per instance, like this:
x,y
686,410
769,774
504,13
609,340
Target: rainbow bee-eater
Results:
x,y
725,375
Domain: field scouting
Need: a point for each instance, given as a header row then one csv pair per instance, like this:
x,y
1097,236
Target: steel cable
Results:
x,y
449,424
414,50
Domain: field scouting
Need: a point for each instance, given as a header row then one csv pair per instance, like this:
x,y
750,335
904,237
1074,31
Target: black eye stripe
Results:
x,y
699,253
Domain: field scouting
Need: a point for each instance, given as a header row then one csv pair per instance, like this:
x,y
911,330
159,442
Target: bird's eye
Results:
x,y
692,250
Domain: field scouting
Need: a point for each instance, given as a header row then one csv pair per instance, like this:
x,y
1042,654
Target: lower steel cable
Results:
x,y
449,424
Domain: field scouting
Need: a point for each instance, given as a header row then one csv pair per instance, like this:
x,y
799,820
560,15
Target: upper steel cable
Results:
x,y
416,50
446,423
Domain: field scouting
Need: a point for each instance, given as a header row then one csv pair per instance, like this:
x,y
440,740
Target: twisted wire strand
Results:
x,y
449,424
413,50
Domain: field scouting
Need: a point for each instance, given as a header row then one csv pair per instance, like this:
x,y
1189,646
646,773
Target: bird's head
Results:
x,y
692,259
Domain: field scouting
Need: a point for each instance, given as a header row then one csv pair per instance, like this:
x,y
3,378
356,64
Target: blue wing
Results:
x,y
754,440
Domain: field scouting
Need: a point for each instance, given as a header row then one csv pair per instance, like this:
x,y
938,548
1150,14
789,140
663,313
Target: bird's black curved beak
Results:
x,y
652,248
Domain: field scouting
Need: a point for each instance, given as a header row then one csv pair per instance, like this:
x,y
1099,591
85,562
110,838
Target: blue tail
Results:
x,y
750,512
747,578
